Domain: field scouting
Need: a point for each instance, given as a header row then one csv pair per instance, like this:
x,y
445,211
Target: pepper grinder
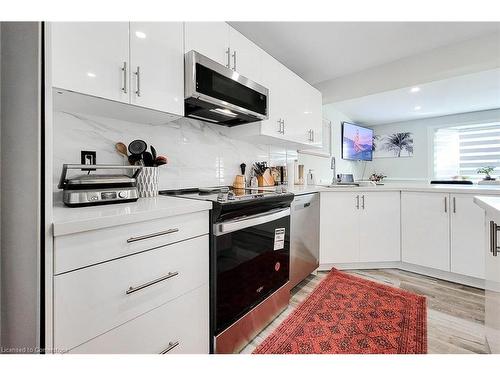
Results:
x,y
243,167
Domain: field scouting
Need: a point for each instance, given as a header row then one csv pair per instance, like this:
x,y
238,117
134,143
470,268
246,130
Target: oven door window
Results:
x,y
216,85
252,263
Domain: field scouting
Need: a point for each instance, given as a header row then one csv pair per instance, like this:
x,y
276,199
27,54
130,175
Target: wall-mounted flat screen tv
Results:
x,y
357,142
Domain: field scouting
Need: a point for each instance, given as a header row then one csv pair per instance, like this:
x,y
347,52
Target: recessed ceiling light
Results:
x,y
417,108
140,34
91,75
415,89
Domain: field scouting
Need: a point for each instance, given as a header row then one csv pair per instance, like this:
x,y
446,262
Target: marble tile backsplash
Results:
x,y
199,154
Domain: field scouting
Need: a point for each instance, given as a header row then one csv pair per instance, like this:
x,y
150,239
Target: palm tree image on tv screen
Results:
x,y
395,145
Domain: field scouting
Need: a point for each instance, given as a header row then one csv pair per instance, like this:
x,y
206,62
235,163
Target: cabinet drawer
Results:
x,y
84,249
183,321
91,301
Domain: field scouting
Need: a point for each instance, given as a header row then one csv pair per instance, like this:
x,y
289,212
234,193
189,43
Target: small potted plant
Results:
x,y
377,177
487,171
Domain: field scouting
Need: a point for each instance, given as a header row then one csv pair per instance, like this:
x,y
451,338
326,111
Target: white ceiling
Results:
x,y
319,51
466,93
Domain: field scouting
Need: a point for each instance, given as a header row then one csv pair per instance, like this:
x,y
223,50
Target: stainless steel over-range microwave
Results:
x,y
215,93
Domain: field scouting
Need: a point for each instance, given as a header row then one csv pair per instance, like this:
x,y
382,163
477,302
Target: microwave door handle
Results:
x,y
249,221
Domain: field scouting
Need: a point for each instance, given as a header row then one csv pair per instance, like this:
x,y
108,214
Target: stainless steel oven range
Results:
x,y
249,261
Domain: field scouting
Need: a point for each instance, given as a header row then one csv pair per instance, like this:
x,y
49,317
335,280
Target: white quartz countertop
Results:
x,y
490,204
69,220
418,187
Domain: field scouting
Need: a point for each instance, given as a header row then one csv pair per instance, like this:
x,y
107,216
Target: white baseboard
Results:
x,y
438,274
444,275
358,266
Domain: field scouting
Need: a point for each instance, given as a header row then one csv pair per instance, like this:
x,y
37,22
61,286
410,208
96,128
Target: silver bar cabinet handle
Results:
x,y
312,135
454,205
445,204
357,202
234,60
138,76
171,345
134,289
492,235
283,126
363,202
152,235
124,70
228,53
494,229
279,126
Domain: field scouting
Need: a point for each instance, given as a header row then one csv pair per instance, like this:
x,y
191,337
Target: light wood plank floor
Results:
x,y
455,312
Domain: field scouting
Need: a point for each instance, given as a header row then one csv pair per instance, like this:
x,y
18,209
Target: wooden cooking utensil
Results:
x,y
121,148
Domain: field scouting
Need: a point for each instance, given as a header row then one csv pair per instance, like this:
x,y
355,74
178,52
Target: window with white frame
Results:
x,y
462,150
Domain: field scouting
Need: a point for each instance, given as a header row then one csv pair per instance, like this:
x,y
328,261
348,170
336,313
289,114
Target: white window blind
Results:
x,y
461,150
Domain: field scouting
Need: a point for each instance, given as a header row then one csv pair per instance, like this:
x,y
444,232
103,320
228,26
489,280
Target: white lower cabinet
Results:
x,y
379,227
339,228
152,300
178,327
443,231
425,231
492,283
359,227
439,231
467,236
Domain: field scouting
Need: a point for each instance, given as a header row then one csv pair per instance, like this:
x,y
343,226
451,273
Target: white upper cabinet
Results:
x,y
211,39
157,66
274,78
223,44
425,231
467,236
314,115
303,119
245,56
92,58
139,63
295,107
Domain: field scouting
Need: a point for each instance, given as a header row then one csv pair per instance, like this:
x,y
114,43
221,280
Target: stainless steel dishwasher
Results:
x,y
304,247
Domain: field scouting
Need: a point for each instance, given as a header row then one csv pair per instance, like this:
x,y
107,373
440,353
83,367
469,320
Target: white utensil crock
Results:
x,y
147,182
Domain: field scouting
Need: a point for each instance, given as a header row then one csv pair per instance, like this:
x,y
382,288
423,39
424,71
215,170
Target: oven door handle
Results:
x,y
250,221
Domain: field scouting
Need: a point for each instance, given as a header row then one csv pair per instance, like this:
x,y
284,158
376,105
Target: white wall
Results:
x,y
419,167
321,165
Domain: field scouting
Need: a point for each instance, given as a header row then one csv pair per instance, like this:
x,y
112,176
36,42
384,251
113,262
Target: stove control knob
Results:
x,y
122,194
230,196
221,197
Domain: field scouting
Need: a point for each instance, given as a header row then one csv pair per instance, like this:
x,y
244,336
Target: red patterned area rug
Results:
x,y
346,314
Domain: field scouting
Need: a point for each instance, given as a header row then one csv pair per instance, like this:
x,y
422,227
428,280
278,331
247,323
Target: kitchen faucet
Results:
x,y
333,167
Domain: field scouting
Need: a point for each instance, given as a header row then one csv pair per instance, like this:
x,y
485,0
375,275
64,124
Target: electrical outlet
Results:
x,y
88,158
